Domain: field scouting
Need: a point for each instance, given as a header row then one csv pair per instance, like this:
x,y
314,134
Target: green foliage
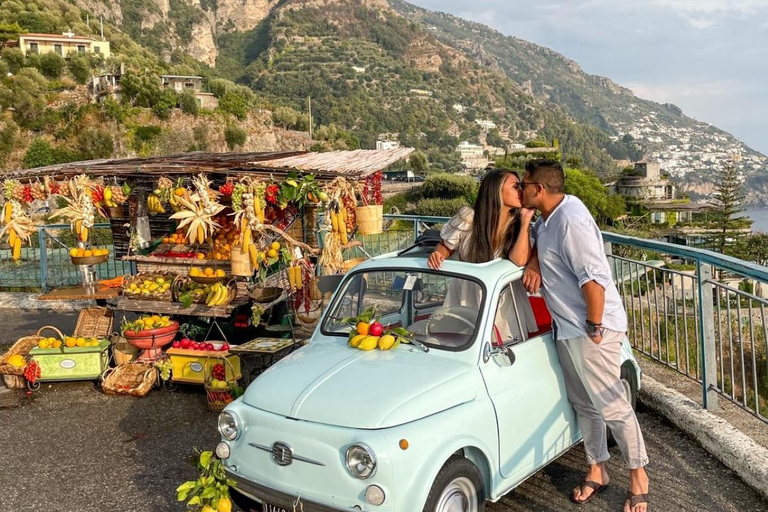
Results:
x,y
185,17
587,187
114,110
80,67
167,100
439,207
235,136
494,139
14,57
450,186
8,135
753,247
219,86
10,32
235,104
25,93
39,154
727,203
211,487
200,134
537,143
188,103
141,90
418,162
290,119
95,143
51,65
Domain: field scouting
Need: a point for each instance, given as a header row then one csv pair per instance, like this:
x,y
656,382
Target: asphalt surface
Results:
x,y
72,448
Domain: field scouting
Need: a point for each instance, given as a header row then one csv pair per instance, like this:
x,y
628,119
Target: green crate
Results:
x,y
75,363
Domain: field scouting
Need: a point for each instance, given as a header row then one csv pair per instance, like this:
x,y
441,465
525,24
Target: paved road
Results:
x,y
73,448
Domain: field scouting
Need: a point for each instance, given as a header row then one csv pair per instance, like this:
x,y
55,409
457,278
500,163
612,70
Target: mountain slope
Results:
x,y
688,149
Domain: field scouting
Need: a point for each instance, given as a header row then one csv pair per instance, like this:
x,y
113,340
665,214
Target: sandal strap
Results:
x,y
636,499
591,484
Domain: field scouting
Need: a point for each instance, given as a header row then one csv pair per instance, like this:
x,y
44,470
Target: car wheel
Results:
x,y
244,503
457,488
629,384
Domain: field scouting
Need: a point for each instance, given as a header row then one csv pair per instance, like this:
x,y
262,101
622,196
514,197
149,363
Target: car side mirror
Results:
x,y
505,350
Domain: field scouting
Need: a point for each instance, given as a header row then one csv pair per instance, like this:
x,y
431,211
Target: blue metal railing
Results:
x,y
46,262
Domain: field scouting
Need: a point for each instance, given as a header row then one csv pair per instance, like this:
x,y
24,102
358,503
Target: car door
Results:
x,y
536,423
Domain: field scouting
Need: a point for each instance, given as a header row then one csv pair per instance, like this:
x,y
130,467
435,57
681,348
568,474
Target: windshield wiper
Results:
x,y
419,344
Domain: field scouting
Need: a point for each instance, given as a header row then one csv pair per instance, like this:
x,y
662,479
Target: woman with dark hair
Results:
x,y
482,234
490,230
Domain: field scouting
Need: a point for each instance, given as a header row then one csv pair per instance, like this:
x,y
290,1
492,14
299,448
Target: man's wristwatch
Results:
x,y
593,329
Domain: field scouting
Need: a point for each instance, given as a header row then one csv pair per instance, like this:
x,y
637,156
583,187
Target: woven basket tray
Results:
x,y
140,277
132,379
95,323
23,346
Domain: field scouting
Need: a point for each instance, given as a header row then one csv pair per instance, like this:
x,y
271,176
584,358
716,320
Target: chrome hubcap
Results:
x,y
458,496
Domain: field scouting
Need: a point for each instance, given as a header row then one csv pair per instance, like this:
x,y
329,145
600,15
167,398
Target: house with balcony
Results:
x,y
62,44
472,155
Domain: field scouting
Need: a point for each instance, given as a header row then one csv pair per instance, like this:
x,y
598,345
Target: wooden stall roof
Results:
x,y
351,164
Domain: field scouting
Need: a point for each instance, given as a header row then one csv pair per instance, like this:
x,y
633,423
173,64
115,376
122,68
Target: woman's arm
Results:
x,y
521,251
437,257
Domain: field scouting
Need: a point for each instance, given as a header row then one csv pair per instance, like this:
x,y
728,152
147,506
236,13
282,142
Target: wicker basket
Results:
x,y
122,351
218,398
95,323
349,264
142,276
132,379
13,376
369,219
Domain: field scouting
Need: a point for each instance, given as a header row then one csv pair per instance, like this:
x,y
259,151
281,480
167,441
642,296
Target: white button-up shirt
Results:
x,y
570,250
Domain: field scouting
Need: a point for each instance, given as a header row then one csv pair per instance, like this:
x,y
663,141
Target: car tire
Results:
x,y
244,503
629,383
458,482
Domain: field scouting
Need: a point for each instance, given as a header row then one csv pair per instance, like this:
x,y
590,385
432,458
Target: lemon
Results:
x,y
225,505
274,246
17,360
272,253
80,342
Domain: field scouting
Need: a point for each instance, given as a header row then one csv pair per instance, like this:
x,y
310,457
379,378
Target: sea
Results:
x,y
760,218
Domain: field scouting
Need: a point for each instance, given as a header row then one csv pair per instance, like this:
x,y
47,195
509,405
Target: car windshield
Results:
x,y
440,310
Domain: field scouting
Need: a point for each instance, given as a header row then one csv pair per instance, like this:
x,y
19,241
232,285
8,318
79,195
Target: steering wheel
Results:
x,y
450,319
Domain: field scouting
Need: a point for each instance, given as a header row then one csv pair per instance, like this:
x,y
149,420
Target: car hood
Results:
x,y
329,382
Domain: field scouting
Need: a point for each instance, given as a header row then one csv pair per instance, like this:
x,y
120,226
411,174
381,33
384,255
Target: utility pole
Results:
x,y
309,107
101,20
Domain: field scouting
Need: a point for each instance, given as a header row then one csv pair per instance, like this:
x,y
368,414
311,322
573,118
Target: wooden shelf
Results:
x,y
175,308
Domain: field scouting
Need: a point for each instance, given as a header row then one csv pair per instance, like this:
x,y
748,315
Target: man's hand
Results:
x,y
597,338
531,280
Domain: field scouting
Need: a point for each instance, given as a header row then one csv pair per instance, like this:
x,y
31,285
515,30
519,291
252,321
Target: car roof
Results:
x,y
416,259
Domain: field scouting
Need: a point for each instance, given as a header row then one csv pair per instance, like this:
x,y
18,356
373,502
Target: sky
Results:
x,y
706,56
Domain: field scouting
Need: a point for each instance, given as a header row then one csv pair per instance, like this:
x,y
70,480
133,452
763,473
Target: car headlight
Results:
x,y
361,461
229,425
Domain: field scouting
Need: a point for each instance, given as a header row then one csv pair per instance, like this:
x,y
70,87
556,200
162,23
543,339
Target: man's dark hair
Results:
x,y
547,172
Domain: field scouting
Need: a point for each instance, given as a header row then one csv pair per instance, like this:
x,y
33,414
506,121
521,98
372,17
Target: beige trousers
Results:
x,y
593,381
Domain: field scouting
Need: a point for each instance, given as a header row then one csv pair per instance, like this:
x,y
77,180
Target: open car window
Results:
x,y
440,310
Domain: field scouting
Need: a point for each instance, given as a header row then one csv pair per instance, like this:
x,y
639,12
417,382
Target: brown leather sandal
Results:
x,y
596,489
636,499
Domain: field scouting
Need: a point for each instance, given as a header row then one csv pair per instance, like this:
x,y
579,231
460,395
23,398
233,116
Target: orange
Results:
x,y
362,328
70,341
80,252
73,252
88,253
200,256
179,191
208,271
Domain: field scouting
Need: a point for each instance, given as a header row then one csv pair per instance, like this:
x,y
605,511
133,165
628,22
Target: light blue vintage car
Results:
x,y
464,415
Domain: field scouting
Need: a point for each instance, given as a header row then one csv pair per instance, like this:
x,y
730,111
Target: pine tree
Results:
x,y
727,201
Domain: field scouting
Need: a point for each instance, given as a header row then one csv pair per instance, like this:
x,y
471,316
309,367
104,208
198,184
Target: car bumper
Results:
x,y
276,497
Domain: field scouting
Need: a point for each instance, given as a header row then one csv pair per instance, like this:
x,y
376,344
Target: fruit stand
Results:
x,y
218,241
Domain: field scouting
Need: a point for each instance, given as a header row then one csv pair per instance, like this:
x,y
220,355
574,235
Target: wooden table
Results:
x,y
174,308
101,295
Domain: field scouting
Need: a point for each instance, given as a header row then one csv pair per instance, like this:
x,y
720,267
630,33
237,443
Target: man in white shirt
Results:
x,y
590,324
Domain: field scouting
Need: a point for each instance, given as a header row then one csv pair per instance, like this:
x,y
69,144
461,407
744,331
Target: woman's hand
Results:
x,y
526,215
435,260
438,256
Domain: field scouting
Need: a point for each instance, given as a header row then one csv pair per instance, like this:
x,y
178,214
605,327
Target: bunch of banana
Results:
x,y
108,198
339,222
154,205
217,295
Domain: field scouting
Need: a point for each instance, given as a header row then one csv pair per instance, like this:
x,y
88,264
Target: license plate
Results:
x,y
273,508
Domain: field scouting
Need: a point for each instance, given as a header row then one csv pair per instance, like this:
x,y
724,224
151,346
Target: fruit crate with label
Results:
x,y
65,363
189,366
